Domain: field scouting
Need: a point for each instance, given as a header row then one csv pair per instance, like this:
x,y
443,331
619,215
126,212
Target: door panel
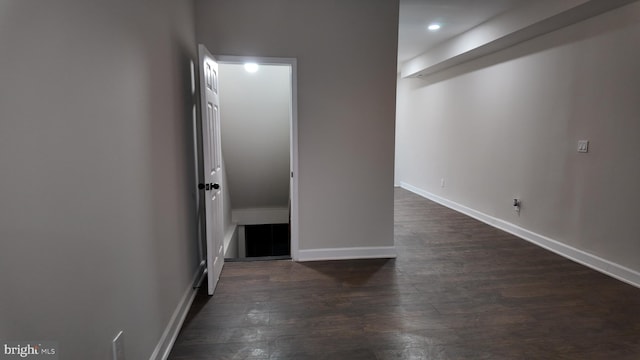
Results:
x,y
210,115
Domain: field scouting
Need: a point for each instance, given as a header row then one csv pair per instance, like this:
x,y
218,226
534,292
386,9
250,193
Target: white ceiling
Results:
x,y
455,16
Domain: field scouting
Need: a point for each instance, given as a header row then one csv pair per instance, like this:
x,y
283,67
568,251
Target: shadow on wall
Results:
x,y
175,219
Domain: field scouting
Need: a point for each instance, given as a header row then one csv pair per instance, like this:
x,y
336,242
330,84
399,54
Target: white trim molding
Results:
x,y
168,338
597,263
381,252
260,216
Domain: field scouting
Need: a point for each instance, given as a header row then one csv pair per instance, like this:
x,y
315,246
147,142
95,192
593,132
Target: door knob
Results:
x,y
209,186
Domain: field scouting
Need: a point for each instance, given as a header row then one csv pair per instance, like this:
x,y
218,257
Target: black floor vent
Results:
x,y
267,240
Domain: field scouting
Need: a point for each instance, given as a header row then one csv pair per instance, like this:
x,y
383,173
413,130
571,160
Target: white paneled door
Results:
x,y
212,158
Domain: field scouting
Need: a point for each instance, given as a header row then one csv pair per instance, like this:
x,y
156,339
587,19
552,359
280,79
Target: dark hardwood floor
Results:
x,y
459,289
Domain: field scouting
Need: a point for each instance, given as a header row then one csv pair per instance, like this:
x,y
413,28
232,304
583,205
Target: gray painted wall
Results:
x,y
97,200
346,53
255,122
507,125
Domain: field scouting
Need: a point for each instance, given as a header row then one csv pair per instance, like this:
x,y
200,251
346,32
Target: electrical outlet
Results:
x,y
583,146
442,182
118,346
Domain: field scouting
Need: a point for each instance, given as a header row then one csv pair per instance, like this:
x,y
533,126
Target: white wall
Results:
x,y
97,197
346,53
507,125
255,122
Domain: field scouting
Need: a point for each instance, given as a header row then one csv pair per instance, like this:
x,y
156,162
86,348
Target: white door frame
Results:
x,y
293,153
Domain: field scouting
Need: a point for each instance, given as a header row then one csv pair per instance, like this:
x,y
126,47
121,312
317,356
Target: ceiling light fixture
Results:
x,y
251,67
434,27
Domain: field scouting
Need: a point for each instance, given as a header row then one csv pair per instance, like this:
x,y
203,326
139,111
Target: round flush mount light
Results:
x,y
434,27
251,67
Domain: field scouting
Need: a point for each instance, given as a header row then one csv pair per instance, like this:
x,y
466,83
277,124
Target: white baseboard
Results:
x,y
259,216
168,338
381,252
597,263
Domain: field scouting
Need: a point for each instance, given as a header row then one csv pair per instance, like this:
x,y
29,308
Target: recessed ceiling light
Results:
x,y
434,27
251,67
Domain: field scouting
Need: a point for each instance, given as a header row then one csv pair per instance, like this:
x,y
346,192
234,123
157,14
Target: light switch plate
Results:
x,y
583,146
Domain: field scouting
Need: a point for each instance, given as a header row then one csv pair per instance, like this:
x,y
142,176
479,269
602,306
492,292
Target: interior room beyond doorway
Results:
x,y
255,106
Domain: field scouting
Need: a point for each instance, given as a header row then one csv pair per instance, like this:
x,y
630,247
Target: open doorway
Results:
x,y
259,146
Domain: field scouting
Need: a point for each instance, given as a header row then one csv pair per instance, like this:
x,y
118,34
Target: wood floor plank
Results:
x,y
459,289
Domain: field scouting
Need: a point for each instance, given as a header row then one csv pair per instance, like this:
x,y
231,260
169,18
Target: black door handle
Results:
x,y
208,186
